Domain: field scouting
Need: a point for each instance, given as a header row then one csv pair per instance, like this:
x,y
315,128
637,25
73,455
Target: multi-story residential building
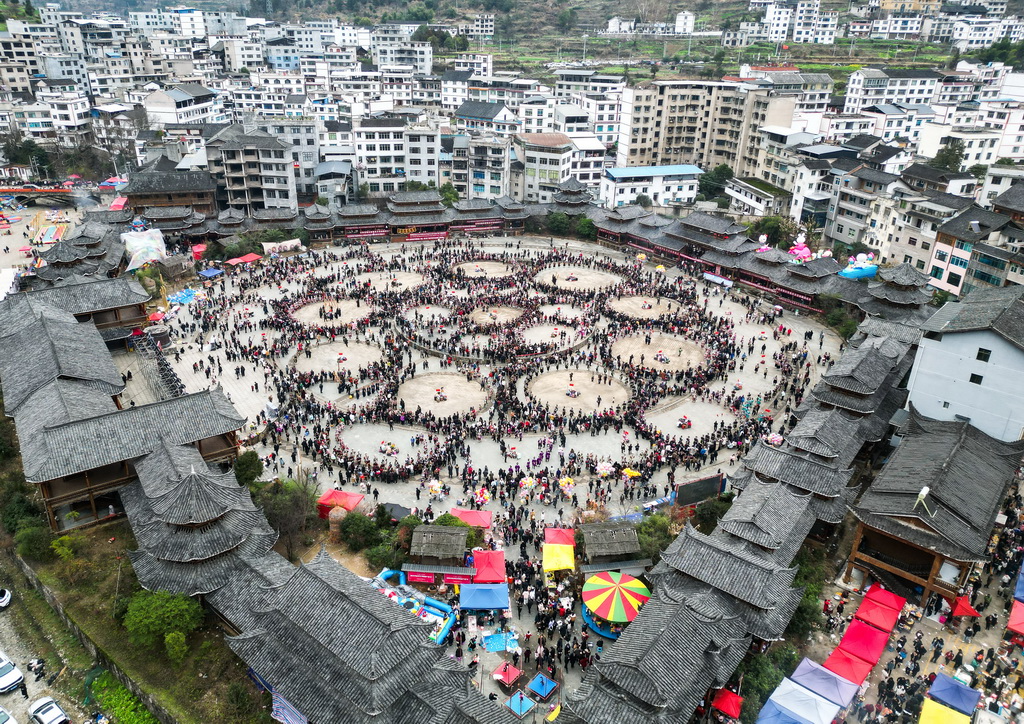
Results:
x,y
72,121
20,50
183,103
482,27
915,237
871,86
703,123
115,128
923,177
998,178
504,88
546,162
899,121
981,146
1007,118
665,186
862,207
422,153
751,196
813,25
418,55
777,21
955,241
380,154
302,135
570,81
480,64
604,111
495,118
489,166
455,88
252,170
588,159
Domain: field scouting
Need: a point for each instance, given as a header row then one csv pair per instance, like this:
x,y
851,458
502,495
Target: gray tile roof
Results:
x,y
764,515
830,434
126,434
799,470
863,368
961,226
177,182
967,473
438,541
610,539
479,109
1012,199
45,347
83,296
1000,310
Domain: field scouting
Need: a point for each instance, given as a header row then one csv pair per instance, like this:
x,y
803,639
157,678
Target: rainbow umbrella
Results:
x,y
615,596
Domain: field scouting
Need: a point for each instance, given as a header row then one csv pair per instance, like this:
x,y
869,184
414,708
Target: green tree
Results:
x,y
712,183
449,195
978,171
644,200
1005,161
176,646
950,157
567,19
707,514
559,224
34,543
288,505
780,230
585,228
475,536
248,468
154,614
762,675
654,535
359,532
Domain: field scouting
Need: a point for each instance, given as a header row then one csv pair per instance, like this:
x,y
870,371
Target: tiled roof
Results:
x,y
1000,310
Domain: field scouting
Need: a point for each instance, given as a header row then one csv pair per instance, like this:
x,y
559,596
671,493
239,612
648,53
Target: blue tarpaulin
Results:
x,y
210,273
1018,592
483,596
947,690
772,713
500,642
542,686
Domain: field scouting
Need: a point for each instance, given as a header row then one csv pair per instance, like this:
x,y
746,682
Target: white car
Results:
x,y
47,711
6,718
5,601
10,675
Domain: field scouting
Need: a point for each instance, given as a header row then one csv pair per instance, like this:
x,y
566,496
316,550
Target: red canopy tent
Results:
x,y
234,262
506,674
866,642
490,566
962,607
878,615
475,518
250,257
848,666
1016,623
560,536
887,598
728,703
334,498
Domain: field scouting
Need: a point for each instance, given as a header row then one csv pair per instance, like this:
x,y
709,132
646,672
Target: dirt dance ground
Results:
x,y
634,307
463,395
587,279
495,315
486,269
347,311
551,387
680,352
337,356
383,281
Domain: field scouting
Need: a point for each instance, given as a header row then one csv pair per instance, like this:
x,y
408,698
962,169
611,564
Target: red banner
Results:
x,y
458,578
419,577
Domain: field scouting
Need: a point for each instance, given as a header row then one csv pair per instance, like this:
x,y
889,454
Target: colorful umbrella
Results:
x,y
615,596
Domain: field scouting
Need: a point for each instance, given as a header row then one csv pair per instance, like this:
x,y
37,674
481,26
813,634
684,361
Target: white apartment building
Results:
x,y
997,180
547,162
869,87
604,112
663,185
570,81
184,103
981,146
777,21
812,25
423,153
418,55
481,64
588,159
381,154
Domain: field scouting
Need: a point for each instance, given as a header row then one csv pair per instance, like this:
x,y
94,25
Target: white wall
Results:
x,y
941,377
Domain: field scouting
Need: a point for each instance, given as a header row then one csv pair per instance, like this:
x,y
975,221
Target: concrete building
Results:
x,y
871,86
664,185
546,162
970,360
252,169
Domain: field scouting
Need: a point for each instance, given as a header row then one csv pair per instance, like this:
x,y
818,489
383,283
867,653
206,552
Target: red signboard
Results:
x,y
419,577
458,578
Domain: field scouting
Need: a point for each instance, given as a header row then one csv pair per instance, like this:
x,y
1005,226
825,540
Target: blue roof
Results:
x,y
680,169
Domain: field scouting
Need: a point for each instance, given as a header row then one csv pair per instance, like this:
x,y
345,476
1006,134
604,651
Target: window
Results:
x,y
920,264
954,279
937,272
976,379
945,404
941,255
959,261
984,354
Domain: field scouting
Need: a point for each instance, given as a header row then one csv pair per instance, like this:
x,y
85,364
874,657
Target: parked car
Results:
x,y
47,711
6,718
5,601
10,675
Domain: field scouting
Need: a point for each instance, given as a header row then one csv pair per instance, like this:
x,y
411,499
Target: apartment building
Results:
x,y
871,86
422,152
981,145
381,154
183,103
570,81
914,240
544,162
665,186
604,111
955,242
418,55
862,208
998,178
702,123
489,167
252,170
494,118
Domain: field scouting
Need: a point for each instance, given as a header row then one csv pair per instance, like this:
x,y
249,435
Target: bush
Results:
x,y
18,512
241,703
654,535
116,699
359,532
152,615
475,537
67,546
176,647
34,543
385,555
248,468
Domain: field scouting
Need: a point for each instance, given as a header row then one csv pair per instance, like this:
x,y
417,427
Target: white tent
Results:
x,y
803,703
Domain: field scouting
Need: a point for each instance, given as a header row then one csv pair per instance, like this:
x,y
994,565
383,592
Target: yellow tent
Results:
x,y
935,713
554,713
558,557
